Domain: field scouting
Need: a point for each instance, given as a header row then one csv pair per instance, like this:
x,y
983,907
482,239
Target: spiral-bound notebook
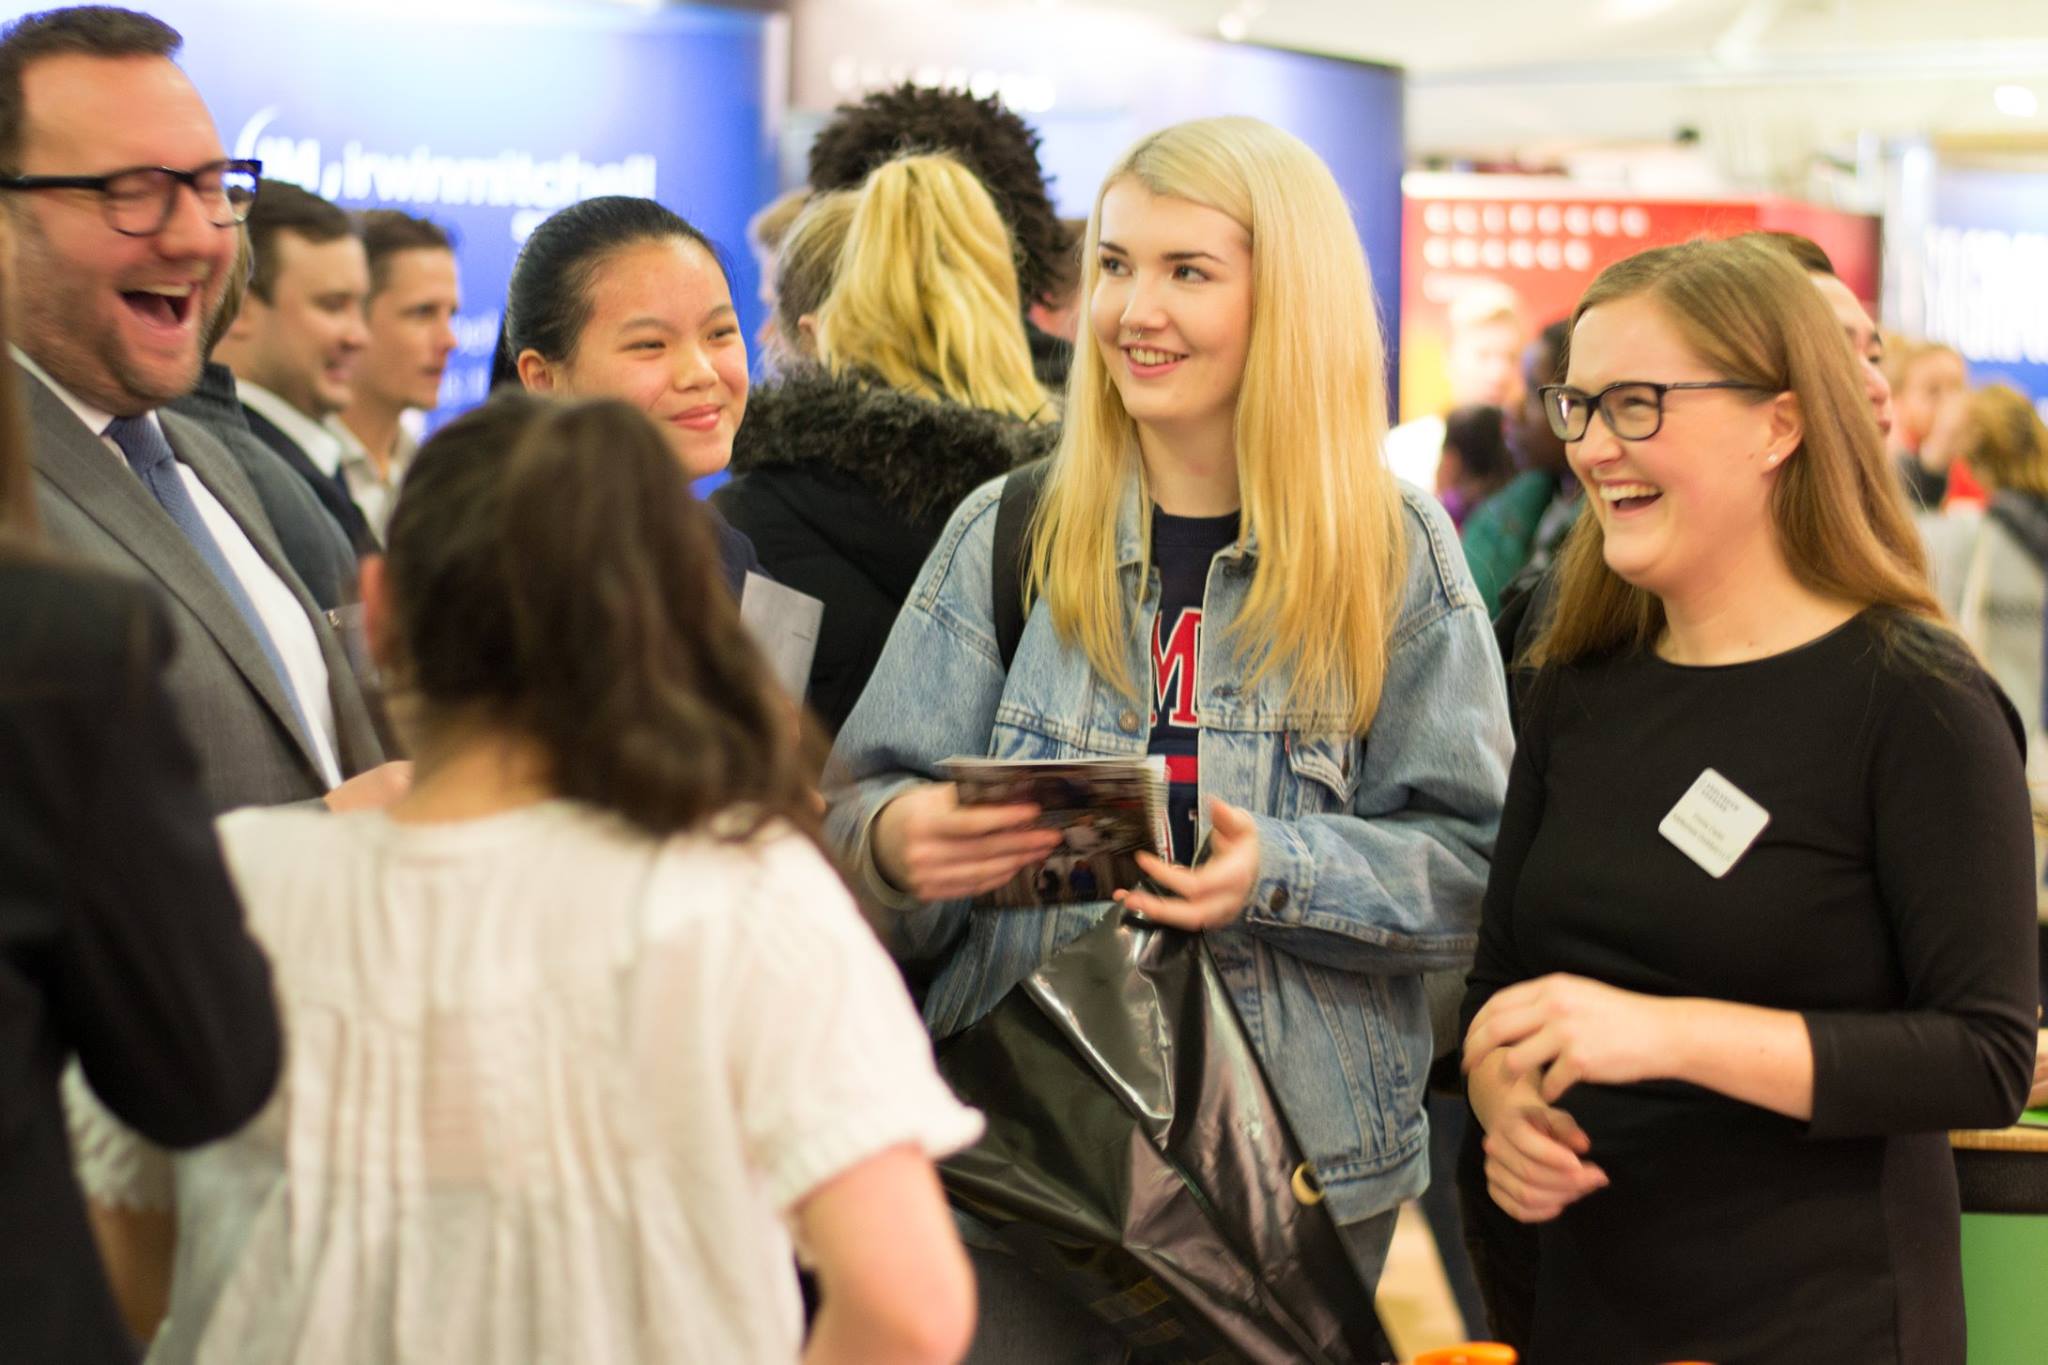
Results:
x,y
1108,810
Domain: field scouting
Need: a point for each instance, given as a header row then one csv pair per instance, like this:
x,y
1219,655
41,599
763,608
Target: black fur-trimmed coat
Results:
x,y
844,488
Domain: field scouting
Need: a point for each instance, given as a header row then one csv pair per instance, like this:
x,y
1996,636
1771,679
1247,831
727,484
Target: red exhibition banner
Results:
x,y
1542,241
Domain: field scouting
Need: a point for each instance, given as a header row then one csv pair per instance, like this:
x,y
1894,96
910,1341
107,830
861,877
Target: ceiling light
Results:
x,y
2016,101
1628,11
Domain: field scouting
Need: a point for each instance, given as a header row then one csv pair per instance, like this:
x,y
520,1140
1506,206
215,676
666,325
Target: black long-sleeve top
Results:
x,y
1889,901
121,940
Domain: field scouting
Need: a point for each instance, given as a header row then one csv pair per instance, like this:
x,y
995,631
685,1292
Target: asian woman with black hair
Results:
x,y
585,1027
620,297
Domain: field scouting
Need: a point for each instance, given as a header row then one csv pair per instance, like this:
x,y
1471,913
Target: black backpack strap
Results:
x,y
1006,563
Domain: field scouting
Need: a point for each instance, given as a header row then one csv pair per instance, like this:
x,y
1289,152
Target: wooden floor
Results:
x,y
1415,1301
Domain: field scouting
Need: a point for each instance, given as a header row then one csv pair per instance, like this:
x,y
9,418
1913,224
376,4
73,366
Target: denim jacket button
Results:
x,y
1128,722
1279,901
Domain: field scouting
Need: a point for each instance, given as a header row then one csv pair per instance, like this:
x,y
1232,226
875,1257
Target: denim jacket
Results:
x,y
1373,850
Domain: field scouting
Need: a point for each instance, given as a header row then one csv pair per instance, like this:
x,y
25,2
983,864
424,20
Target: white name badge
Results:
x,y
1714,823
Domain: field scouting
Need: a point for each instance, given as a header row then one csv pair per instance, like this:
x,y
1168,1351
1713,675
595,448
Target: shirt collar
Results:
x,y
348,446
322,447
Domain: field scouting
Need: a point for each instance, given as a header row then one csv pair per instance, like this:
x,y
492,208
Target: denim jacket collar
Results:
x,y
1135,503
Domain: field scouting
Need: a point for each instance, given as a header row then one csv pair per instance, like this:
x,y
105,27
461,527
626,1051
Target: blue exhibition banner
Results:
x,y
1984,274
1350,112
486,117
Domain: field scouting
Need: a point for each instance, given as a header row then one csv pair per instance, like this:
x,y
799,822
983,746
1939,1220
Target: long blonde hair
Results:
x,y
1317,501
1748,311
925,296
807,260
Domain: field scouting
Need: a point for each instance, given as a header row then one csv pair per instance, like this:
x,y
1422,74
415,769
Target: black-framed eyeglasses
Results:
x,y
139,201
1632,409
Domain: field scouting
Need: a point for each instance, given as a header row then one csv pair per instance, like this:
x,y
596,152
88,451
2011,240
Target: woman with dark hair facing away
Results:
x,y
618,297
918,389
1760,922
585,1028
121,942
1221,572
1475,463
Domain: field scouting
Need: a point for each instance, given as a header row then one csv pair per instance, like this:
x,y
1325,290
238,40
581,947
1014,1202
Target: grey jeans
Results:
x,y
1026,1321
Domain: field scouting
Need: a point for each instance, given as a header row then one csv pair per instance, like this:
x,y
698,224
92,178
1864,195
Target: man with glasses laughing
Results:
x,y
123,209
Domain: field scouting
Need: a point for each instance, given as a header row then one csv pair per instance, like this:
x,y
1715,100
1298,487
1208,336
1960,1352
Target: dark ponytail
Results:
x,y
550,571
548,302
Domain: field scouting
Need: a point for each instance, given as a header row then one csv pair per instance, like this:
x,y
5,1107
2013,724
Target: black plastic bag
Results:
x,y
1136,1157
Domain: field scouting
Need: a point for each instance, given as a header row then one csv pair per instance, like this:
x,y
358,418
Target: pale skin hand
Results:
x,y
1213,894
1570,1029
929,845
372,790
2038,1096
1567,1029
1535,1153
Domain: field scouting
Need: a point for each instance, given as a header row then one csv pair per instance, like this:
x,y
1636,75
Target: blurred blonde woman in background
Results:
x,y
1991,566
910,383
1926,377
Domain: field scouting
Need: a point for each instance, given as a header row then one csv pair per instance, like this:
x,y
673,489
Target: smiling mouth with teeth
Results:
x,y
1627,497
1145,355
166,305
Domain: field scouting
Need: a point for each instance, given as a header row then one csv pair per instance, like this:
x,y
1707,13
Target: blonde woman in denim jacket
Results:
x,y
1337,734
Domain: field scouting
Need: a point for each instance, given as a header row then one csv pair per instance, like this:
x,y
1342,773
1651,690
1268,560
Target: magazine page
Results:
x,y
1108,810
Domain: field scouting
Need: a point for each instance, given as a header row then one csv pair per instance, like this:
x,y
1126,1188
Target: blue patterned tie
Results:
x,y
149,455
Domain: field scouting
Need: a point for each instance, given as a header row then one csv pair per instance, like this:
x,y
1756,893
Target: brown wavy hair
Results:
x,y
2004,440
1748,312
552,573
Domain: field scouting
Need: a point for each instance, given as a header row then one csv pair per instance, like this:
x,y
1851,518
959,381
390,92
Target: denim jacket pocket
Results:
x,y
1325,769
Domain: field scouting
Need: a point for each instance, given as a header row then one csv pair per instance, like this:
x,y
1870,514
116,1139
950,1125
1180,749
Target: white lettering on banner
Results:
x,y
1986,293
476,333
511,179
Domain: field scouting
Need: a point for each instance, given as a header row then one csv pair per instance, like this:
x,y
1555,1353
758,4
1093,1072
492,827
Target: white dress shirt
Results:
x,y
334,450
322,446
374,492
279,609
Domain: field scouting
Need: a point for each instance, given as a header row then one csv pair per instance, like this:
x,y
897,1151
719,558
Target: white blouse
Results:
x,y
552,1090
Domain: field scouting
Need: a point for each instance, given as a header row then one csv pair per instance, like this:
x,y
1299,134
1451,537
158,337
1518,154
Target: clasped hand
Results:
x,y
1527,1046
1563,1029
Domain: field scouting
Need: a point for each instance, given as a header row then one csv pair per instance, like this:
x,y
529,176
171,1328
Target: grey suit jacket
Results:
x,y
317,548
252,749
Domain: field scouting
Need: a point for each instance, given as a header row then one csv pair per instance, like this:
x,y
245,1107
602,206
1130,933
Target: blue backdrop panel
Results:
x,y
1349,112
1986,274
487,117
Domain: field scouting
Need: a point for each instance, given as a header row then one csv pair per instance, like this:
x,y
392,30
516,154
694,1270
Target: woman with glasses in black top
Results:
x,y
1759,923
